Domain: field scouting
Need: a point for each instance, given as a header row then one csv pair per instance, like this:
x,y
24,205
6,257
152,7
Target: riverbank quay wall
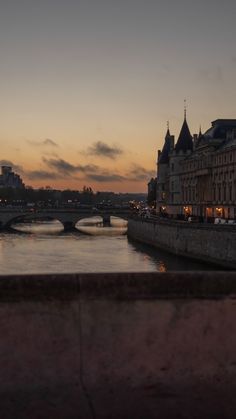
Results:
x,y
206,242
125,345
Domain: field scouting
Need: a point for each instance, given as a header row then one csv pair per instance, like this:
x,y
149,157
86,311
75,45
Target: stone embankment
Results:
x,y
122,346
206,242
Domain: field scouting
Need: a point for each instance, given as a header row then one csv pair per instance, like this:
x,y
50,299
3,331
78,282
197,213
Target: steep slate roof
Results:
x,y
229,144
164,157
185,141
219,128
200,139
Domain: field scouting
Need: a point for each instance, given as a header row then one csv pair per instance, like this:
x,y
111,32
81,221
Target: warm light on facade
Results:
x,y
219,212
187,210
209,212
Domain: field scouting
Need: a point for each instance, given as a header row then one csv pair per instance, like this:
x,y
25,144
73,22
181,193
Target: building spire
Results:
x,y
168,128
185,109
164,155
185,141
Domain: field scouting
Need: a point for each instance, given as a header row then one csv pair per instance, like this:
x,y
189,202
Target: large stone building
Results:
x,y
197,175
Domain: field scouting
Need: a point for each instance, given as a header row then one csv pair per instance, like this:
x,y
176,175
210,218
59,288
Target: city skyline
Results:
x,y
87,88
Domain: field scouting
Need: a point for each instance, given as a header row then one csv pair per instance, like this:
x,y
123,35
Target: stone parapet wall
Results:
x,y
135,345
210,243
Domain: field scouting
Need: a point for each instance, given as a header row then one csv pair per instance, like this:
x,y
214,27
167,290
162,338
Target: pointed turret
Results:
x,y
164,156
185,140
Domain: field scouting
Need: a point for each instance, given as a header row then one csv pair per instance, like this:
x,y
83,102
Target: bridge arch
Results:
x,y
27,218
68,218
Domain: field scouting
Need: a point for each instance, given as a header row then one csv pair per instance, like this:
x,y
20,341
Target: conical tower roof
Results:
x,y
164,157
200,138
185,141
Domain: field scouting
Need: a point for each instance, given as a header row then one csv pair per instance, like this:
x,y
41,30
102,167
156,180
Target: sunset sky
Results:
x,y
87,86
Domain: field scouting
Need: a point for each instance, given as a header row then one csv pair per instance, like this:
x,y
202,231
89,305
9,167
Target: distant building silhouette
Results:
x,y
9,179
197,175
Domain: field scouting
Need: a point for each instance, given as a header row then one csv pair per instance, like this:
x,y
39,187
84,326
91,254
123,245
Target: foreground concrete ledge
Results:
x,y
118,345
119,286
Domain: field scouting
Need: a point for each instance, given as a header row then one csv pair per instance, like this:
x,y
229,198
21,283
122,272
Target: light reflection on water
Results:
x,y
42,227
46,248
94,226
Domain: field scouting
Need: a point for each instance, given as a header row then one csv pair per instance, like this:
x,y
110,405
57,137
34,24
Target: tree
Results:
x,y
87,195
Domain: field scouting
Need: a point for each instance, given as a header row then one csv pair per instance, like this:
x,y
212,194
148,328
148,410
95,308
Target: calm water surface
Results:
x,y
45,248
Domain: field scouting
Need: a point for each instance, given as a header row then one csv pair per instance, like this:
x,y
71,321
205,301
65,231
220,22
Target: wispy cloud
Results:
x,y
42,175
90,171
62,166
50,142
102,149
106,177
57,168
96,173
47,142
67,168
139,173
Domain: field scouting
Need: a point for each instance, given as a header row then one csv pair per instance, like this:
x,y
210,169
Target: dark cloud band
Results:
x,y
104,150
47,142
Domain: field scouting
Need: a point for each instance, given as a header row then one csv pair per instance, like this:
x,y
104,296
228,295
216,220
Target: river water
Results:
x,y
46,248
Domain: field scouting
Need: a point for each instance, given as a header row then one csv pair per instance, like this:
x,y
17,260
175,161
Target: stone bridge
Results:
x,y
68,217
